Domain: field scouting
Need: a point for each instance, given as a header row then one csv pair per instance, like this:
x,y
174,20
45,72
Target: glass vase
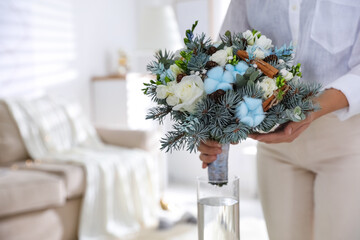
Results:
x,y
218,210
218,170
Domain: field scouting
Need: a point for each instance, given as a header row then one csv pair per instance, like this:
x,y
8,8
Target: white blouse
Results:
x,y
326,34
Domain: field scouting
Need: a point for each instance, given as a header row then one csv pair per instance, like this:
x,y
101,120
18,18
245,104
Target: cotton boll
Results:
x,y
224,86
229,67
258,119
252,103
241,67
243,110
228,77
248,121
210,85
215,73
250,111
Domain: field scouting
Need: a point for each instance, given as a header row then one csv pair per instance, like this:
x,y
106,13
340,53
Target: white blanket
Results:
x,y
122,184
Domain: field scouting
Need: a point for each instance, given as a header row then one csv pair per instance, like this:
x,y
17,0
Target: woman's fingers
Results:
x,y
209,149
212,143
207,158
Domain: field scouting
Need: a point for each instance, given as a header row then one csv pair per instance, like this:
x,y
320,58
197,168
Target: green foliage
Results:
x,y
295,70
227,39
234,60
199,44
280,81
280,95
239,42
241,81
189,33
183,63
198,62
256,33
162,62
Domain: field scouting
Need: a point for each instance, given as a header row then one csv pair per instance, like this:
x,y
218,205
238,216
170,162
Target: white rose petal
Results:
x,y
229,51
268,85
189,91
162,92
263,42
248,35
220,57
286,74
172,100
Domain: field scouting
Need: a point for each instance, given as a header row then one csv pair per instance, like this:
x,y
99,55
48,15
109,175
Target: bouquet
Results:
x,y
225,90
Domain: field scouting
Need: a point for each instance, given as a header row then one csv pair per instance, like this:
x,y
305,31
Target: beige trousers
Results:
x,y
310,188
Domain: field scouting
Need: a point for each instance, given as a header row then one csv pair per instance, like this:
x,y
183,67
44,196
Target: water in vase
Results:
x,y
218,219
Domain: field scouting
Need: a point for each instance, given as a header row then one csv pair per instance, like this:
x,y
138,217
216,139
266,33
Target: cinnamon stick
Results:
x,y
268,103
265,67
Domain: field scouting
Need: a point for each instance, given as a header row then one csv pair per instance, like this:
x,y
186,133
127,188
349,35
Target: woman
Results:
x,y
309,171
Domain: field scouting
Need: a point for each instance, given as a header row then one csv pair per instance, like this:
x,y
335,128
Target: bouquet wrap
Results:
x,y
218,170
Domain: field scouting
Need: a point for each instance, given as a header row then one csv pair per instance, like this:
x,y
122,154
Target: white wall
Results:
x,y
103,27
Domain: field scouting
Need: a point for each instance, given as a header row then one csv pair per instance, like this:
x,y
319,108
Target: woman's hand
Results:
x,y
208,152
288,133
330,100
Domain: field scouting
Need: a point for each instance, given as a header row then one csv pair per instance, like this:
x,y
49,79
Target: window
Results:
x,y
37,44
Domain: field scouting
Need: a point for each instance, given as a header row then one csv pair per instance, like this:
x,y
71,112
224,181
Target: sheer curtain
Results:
x,y
37,44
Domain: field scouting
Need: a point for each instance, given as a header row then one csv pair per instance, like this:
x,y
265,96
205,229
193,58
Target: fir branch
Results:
x,y
173,140
158,113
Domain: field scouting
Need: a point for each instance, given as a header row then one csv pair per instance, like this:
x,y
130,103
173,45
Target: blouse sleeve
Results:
x,y
349,84
236,17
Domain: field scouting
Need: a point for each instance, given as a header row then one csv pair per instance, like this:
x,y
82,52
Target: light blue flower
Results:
x,y
250,111
239,68
218,78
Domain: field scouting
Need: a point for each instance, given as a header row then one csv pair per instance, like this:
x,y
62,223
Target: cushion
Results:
x,y
24,191
72,174
12,147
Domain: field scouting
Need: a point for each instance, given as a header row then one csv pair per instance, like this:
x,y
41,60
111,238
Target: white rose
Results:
x,y
263,42
172,100
260,54
249,36
286,74
229,51
189,91
175,69
162,92
268,85
220,57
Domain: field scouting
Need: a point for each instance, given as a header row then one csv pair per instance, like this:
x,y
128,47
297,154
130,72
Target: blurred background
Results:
x,y
94,52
